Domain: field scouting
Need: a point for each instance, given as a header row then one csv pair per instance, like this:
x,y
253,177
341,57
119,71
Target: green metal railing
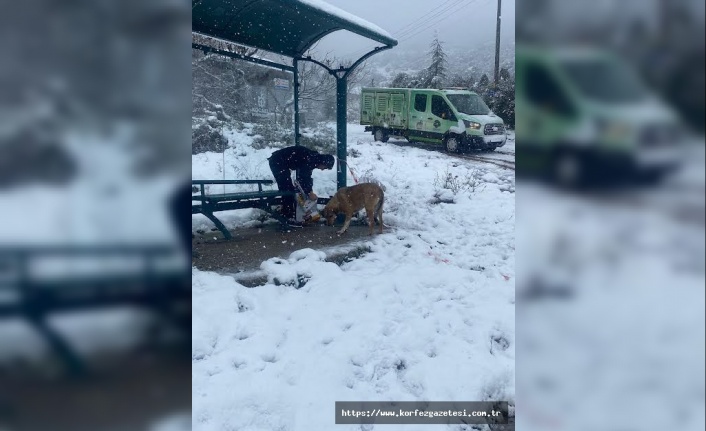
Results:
x,y
29,292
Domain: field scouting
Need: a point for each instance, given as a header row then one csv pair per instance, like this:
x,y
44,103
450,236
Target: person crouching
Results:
x,y
304,161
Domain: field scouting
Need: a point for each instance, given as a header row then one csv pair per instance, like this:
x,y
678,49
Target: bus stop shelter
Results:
x,y
288,28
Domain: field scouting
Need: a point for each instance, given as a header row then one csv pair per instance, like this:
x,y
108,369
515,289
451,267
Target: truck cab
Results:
x,y
584,113
456,118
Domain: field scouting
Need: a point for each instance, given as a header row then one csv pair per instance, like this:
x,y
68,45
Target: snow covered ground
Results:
x,y
89,332
428,314
611,310
106,203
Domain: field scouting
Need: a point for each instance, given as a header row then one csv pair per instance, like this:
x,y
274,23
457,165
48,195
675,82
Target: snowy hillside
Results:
x,y
462,60
426,314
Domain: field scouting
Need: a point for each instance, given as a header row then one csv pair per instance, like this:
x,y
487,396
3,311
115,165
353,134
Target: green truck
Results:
x,y
456,118
583,114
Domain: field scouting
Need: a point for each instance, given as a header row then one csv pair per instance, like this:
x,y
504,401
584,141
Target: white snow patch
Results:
x,y
458,128
631,335
346,16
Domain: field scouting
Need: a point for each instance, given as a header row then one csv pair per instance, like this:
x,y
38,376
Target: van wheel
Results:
x,y
452,144
381,136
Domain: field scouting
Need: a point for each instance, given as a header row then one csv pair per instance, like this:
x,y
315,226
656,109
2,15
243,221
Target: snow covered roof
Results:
x,y
287,27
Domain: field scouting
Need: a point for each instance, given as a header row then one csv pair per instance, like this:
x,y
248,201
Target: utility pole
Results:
x,y
497,46
665,13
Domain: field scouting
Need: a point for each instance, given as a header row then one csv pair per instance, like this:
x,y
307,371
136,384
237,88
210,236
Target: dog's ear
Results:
x,y
331,205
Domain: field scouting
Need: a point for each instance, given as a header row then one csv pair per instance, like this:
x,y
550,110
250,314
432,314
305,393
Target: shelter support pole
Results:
x,y
295,72
341,123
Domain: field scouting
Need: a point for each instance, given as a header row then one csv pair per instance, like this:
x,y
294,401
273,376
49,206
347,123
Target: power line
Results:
x,y
421,18
402,30
431,24
428,17
435,18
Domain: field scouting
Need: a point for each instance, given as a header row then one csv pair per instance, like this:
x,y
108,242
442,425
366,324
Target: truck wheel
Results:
x,y
654,176
452,144
381,136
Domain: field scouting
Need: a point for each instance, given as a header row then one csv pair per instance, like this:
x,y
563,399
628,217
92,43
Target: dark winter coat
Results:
x,y
302,160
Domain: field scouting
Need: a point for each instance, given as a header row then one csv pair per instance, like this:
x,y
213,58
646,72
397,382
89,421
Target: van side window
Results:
x,y
420,102
440,108
544,91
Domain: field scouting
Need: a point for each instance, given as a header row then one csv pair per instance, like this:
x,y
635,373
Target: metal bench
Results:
x,y
26,292
209,204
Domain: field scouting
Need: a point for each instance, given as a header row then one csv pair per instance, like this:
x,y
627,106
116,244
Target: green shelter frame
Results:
x,y
288,28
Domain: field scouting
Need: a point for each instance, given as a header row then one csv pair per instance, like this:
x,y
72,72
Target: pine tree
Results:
x,y
435,75
500,99
483,84
402,80
506,102
461,81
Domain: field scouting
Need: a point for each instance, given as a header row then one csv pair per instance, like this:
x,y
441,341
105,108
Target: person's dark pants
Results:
x,y
283,177
180,211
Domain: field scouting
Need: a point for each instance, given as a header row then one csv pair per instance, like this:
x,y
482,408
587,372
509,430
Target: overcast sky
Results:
x,y
458,22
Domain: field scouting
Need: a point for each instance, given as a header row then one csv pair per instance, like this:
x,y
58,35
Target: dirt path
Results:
x,y
143,389
507,164
251,246
494,158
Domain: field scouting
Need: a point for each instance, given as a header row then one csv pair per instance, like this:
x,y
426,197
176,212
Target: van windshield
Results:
x,y
470,104
605,81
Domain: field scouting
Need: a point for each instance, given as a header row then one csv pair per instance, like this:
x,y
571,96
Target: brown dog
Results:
x,y
348,200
